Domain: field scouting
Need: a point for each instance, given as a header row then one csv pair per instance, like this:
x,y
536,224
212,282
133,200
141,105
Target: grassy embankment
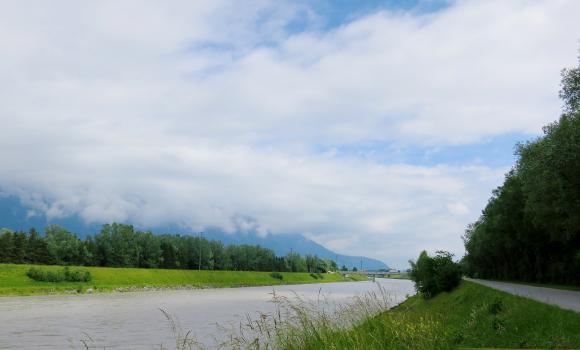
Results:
x,y
13,279
472,316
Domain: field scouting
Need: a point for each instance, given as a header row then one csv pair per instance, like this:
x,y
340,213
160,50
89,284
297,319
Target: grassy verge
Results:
x,y
13,279
477,316
472,316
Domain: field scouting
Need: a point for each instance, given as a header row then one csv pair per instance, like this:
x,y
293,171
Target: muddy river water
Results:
x,y
134,320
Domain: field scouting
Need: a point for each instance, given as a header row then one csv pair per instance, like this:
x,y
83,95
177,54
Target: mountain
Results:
x,y
15,216
282,243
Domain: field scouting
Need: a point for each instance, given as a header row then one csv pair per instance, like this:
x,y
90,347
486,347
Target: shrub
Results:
x,y
64,275
433,275
77,275
277,275
38,274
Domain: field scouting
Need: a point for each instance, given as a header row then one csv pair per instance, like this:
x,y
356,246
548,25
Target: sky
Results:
x,y
375,128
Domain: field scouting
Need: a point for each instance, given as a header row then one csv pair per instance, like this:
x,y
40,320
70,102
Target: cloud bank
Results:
x,y
208,113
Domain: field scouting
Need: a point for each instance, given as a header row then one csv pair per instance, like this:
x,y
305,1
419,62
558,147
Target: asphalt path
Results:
x,y
566,299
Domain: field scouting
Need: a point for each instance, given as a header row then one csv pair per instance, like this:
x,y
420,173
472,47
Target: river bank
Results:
x,y
14,281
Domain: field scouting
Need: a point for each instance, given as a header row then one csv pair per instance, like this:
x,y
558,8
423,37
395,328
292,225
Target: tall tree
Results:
x,y
37,249
168,254
6,246
20,247
530,229
64,247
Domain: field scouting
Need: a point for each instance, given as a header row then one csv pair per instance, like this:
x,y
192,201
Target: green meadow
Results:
x,y
14,281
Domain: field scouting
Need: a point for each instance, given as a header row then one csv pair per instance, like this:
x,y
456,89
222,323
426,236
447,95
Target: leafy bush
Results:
x,y
433,275
277,275
76,275
64,275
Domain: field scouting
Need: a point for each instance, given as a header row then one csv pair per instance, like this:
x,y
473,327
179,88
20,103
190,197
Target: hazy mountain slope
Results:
x,y
14,215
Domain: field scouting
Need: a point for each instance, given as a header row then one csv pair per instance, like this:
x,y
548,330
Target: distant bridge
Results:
x,y
373,274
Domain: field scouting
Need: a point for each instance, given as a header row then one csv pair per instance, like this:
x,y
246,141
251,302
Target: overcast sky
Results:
x,y
376,128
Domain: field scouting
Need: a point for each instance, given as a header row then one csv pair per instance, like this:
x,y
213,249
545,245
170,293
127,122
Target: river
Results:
x,y
133,320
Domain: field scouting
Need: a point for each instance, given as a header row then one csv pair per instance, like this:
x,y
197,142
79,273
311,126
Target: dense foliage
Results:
x,y
530,228
119,245
64,275
433,275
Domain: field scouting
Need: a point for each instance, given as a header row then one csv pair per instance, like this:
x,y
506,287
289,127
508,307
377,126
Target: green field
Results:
x,y
13,279
472,316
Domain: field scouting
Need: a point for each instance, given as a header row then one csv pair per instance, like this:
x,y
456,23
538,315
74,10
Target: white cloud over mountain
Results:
x,y
205,113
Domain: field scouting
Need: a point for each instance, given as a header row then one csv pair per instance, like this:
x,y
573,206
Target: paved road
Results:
x,y
565,299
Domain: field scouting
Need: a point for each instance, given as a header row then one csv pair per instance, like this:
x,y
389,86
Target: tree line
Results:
x,y
120,245
530,228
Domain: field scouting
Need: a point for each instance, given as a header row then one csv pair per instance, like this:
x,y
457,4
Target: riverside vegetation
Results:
x,y
122,258
65,274
120,245
16,280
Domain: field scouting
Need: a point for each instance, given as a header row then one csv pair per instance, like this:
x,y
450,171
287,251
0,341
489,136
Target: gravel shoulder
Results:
x,y
565,299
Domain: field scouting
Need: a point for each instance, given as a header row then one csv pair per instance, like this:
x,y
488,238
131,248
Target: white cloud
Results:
x,y
207,113
458,208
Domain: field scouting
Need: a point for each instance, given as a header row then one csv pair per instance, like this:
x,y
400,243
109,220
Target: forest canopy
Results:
x,y
530,228
120,245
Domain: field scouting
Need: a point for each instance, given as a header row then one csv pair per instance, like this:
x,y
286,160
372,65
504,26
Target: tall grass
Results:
x,y
321,324
182,341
